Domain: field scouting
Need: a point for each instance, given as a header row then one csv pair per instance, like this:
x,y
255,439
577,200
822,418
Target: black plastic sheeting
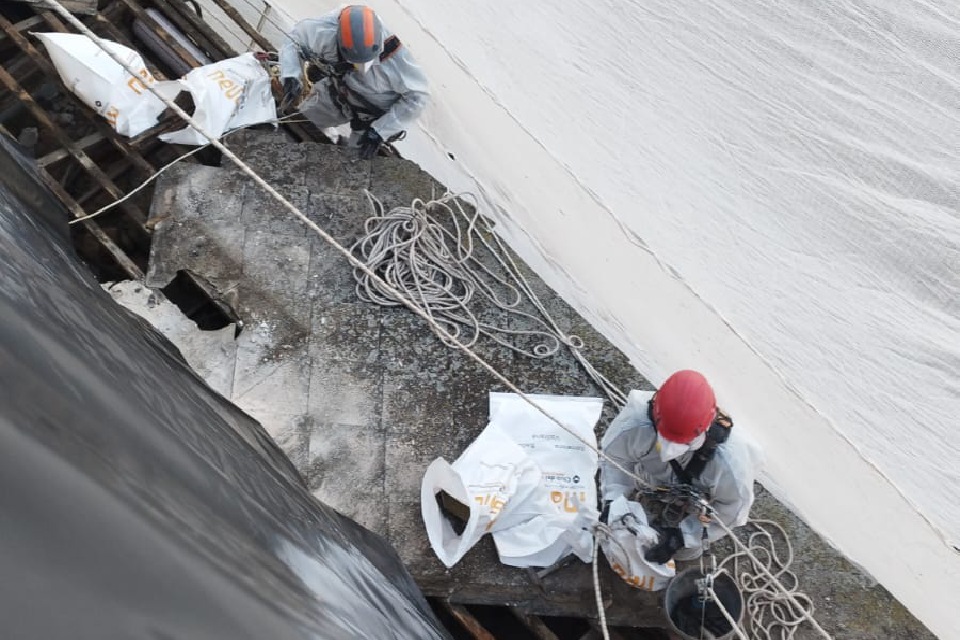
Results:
x,y
135,502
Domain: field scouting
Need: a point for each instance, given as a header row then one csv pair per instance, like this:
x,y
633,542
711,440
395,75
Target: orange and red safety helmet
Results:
x,y
360,34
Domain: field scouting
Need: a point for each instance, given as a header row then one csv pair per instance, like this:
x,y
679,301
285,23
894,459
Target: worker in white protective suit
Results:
x,y
684,450
355,71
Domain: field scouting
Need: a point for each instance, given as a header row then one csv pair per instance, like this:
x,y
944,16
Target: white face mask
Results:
x,y
362,67
672,450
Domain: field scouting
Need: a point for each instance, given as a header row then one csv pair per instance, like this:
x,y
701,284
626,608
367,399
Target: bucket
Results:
x,y
689,618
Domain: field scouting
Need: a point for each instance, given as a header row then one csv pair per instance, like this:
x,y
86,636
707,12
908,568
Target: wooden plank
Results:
x,y
612,633
536,626
58,155
23,25
234,15
190,23
105,21
145,168
121,258
465,618
81,7
91,167
169,40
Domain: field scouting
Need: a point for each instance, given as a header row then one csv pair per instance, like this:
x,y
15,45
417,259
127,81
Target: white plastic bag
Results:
x,y
564,504
485,479
624,541
104,85
229,94
524,480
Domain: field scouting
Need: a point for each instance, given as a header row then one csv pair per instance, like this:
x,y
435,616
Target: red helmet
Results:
x,y
684,407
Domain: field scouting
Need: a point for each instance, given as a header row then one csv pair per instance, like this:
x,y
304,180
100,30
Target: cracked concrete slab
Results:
x,y
362,399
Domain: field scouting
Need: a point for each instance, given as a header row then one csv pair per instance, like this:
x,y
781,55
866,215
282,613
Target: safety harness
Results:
x,y
360,111
717,434
674,501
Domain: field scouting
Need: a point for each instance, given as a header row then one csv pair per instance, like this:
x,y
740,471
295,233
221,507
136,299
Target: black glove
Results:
x,y
291,93
671,541
369,143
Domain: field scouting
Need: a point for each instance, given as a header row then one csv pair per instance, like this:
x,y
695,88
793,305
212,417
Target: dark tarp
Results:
x,y
135,502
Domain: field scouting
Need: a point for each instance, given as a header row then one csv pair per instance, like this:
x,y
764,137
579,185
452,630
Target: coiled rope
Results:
x,y
775,611
438,256
410,304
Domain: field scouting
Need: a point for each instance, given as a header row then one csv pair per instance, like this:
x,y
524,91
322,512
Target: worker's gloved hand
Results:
x,y
671,541
291,93
369,143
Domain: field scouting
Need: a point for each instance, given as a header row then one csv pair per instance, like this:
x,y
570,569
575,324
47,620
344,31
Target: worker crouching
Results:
x,y
688,455
345,67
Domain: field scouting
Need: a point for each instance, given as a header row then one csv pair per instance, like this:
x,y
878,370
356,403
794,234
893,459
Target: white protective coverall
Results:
x,y
631,441
396,85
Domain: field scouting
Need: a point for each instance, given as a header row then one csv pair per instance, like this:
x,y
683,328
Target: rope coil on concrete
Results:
x,y
770,605
758,569
437,328
439,257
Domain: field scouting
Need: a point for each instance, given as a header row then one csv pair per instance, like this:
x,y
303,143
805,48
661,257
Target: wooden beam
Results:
x,y
105,21
190,23
116,252
536,626
121,258
82,7
169,40
56,156
91,167
234,15
465,618
23,25
47,67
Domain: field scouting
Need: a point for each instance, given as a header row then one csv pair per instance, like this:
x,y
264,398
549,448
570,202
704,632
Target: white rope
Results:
x,y
439,330
454,267
726,614
601,612
156,175
770,605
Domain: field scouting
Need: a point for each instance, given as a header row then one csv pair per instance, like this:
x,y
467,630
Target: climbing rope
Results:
x,y
601,612
775,611
726,614
453,266
284,120
398,296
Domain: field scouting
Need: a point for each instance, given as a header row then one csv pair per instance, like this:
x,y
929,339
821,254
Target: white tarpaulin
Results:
x,y
227,95
104,85
624,541
525,480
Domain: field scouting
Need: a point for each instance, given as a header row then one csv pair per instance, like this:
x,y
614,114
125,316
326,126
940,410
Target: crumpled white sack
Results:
x,y
486,478
525,480
104,85
563,507
229,94
624,541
